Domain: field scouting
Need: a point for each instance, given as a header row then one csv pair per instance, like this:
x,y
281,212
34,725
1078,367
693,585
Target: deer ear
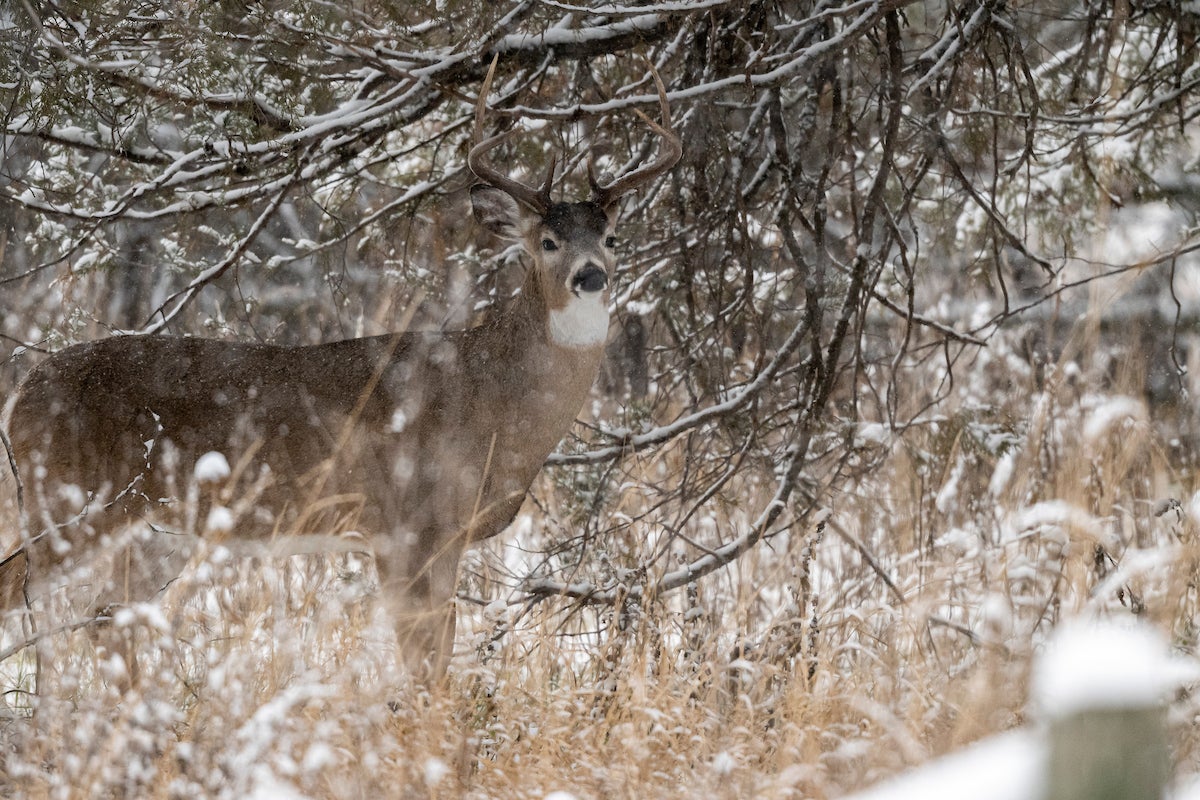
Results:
x,y
496,211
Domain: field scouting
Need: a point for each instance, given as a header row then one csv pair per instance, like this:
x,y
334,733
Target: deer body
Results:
x,y
347,418
425,442
369,430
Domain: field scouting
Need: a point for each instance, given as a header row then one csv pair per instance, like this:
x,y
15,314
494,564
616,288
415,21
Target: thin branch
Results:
x,y
162,317
66,627
629,442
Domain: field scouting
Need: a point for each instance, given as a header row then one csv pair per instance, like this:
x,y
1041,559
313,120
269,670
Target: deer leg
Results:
x,y
100,575
13,570
14,603
418,588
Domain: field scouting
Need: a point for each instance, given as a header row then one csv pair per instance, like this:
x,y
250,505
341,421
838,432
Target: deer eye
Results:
x,y
548,245
610,242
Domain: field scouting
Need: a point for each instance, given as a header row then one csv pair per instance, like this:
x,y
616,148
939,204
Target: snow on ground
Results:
x,y
1005,767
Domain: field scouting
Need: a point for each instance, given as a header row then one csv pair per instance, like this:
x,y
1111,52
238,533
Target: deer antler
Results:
x,y
536,199
671,148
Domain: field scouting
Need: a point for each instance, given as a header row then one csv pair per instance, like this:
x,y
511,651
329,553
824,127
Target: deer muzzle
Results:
x,y
589,279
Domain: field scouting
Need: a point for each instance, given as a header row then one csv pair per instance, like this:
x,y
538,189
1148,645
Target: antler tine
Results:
x,y
671,149
537,200
545,192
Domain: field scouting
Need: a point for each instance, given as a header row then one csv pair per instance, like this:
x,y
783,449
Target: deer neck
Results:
x,y
529,388
545,352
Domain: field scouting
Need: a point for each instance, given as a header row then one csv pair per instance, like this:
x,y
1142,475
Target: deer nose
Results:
x,y
589,279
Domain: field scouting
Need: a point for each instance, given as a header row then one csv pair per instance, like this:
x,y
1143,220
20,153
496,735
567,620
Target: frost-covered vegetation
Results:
x,y
899,380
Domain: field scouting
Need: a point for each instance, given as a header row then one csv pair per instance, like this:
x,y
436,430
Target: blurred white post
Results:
x,y
1108,754
1101,690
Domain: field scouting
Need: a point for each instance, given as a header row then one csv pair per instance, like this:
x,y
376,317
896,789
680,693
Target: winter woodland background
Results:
x,y
902,375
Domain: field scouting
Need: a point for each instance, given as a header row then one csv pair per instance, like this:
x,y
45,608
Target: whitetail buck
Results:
x,y
424,441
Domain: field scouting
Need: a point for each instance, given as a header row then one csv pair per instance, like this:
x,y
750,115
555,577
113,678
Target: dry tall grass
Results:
x,y
822,661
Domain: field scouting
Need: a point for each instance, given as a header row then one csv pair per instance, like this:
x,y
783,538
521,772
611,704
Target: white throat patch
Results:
x,y
583,323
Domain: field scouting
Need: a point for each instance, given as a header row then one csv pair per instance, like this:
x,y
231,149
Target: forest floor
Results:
x,y
901,629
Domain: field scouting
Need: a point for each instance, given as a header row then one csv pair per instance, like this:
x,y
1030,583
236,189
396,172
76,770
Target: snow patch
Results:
x,y
723,763
1193,509
268,786
996,616
1106,417
1059,516
947,498
1000,768
72,494
435,769
960,542
220,520
872,433
212,467
318,756
1002,474
148,614
1092,665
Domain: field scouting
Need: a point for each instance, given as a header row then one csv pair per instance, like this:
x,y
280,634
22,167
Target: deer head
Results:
x,y
570,244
